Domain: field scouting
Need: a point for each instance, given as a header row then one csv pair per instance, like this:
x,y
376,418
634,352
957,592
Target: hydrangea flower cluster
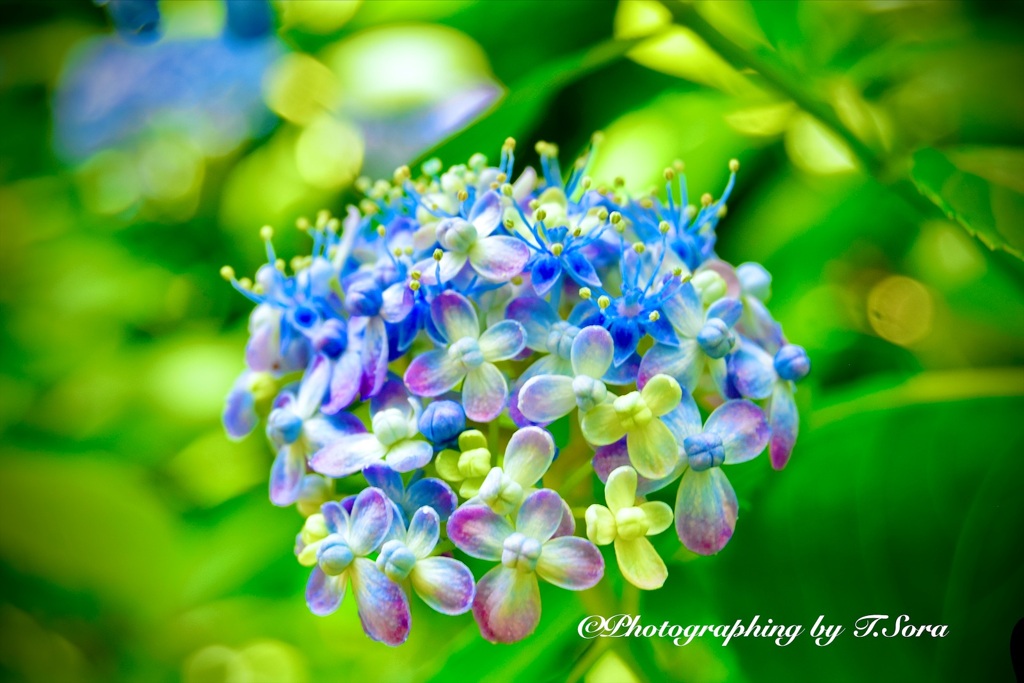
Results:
x,y
410,366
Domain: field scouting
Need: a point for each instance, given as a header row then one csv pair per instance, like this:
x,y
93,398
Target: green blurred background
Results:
x,y
137,543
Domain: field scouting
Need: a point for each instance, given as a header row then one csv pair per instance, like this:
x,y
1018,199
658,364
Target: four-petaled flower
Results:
x,y
653,450
469,355
341,559
627,525
545,398
507,602
706,507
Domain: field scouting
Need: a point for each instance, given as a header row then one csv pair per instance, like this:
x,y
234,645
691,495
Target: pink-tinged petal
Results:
x,y
347,455
540,515
653,451
383,607
507,605
313,387
374,357
684,363
502,341
706,511
685,311
477,531
484,393
486,213
570,562
546,398
445,584
567,527
393,395
640,563
424,531
344,382
433,373
336,517
398,302
684,420
752,371
499,258
728,273
601,425
537,317
620,489
320,431
286,475
608,458
324,593
743,428
409,455
370,519
455,316
784,421
262,352
528,455
592,352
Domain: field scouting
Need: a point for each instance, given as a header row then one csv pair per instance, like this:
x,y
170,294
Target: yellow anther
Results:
x,y
397,251
557,248
577,231
670,174
664,227
722,210
510,144
266,233
509,223
516,280
302,223
363,184
462,195
541,214
615,217
734,165
639,247
604,302
602,214
402,173
381,231
654,316
228,273
706,199
257,288
415,275
533,204
678,166
438,254
507,190
586,182
334,225
322,216
690,211
279,264
414,285
677,272
501,178
585,293
477,161
245,283
408,251
495,186
646,203
619,182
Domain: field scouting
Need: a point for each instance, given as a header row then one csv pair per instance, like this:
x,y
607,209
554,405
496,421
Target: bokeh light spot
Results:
x,y
900,310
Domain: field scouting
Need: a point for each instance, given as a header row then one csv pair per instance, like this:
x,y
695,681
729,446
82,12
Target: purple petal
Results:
x,y
424,530
706,511
398,302
347,455
625,373
409,455
683,363
507,605
685,311
370,519
751,371
386,479
240,409
314,386
374,357
393,394
499,258
433,493
433,373
344,381
784,421
592,352
445,584
263,349
325,593
567,527
546,398
286,475
477,531
571,562
484,393
743,428
454,315
335,516
502,341
537,317
726,309
383,607
540,515
609,458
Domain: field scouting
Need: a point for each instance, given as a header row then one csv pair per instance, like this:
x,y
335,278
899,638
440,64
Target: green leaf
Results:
x,y
988,209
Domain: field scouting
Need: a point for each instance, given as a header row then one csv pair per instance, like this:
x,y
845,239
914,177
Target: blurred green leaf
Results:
x,y
992,212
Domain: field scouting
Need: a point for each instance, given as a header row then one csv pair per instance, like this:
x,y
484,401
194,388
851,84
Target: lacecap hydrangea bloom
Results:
x,y
410,368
